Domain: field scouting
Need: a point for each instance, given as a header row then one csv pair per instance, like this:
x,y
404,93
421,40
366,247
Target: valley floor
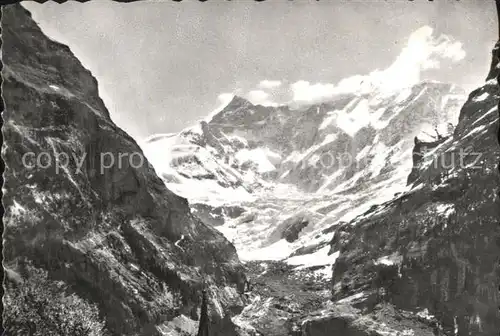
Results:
x,y
285,301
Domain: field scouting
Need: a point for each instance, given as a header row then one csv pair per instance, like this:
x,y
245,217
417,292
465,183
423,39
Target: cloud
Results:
x,y
423,51
225,98
269,84
305,92
256,97
259,97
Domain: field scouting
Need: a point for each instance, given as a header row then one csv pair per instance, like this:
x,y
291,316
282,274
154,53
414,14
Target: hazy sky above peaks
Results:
x,y
163,65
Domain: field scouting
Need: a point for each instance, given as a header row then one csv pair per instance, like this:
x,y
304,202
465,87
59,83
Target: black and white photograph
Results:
x,y
251,168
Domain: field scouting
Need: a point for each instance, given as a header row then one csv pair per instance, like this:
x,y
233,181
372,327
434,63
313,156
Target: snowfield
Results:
x,y
222,163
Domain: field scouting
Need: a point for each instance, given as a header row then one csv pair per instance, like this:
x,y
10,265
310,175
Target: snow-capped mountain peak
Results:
x,y
273,160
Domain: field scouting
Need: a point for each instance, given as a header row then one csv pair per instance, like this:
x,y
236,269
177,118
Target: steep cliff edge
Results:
x,y
94,243
435,248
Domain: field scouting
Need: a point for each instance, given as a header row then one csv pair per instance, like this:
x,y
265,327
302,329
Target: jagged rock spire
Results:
x,y
203,328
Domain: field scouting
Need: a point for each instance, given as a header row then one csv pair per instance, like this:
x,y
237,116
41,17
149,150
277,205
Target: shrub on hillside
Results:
x,y
37,306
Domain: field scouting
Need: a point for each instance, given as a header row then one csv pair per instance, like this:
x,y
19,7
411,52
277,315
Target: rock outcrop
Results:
x,y
215,215
420,150
87,217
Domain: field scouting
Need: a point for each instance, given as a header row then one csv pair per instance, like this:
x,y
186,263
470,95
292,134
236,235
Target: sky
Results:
x,y
161,66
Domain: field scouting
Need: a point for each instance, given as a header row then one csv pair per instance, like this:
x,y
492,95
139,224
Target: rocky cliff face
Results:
x,y
435,247
94,243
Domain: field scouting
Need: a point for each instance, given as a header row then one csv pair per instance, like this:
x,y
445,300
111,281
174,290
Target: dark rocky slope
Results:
x,y
435,248
91,250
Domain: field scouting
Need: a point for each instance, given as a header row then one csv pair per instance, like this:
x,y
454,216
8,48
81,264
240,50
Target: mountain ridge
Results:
x,y
250,156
